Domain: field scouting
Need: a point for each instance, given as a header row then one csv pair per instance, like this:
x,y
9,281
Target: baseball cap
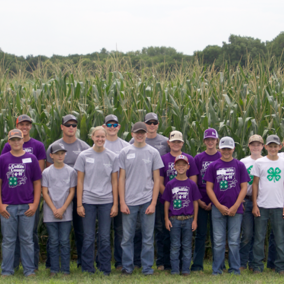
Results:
x,y
181,157
210,133
15,133
22,118
175,136
111,117
139,126
256,138
273,139
56,147
68,117
151,116
227,142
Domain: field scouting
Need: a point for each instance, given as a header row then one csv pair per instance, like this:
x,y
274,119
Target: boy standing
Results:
x,y
181,208
58,189
138,192
20,184
267,198
226,185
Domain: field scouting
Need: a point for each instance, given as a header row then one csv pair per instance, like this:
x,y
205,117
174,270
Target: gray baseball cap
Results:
x,y
139,126
68,117
151,116
227,142
273,139
111,117
56,147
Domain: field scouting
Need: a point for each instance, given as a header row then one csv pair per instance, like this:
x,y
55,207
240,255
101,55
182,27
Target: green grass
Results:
x,y
77,276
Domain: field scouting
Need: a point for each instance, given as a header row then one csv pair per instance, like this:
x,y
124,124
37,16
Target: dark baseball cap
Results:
x,y
56,147
22,118
151,116
15,133
68,117
139,126
273,139
111,117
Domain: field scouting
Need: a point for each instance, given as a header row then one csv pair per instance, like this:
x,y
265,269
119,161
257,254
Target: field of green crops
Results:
x,y
237,102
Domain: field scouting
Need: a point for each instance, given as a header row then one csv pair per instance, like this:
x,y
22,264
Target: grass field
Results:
x,y
76,276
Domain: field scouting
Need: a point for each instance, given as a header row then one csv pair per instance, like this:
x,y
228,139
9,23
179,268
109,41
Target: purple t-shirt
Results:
x,y
17,175
32,146
227,178
181,194
202,161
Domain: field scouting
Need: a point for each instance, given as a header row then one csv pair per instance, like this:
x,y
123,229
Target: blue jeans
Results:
x,y
18,224
247,235
220,223
271,252
200,238
104,249
58,233
181,234
277,224
147,229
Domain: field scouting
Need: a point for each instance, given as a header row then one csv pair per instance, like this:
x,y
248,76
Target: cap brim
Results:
x,y
59,150
278,143
181,160
140,129
172,140
209,136
228,147
15,136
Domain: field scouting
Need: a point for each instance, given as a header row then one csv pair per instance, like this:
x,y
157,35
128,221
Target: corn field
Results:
x,y
236,102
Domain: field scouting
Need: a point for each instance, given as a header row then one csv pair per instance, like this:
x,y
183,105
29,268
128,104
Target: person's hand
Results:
x,y
232,211
58,214
202,204
168,224
208,207
3,211
32,210
151,209
81,211
114,211
223,209
124,209
255,211
194,225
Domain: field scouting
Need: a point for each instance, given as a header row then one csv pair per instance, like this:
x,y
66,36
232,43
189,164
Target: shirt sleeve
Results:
x,y
193,170
209,174
6,149
131,141
121,160
44,180
244,176
80,163
41,154
36,171
157,163
48,158
1,170
195,192
115,165
73,178
255,171
167,193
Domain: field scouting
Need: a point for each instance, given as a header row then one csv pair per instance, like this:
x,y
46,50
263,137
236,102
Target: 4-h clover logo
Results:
x,y
250,176
223,184
177,203
172,177
274,175
13,181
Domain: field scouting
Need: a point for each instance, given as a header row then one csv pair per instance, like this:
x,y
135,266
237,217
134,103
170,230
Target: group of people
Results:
x,y
146,186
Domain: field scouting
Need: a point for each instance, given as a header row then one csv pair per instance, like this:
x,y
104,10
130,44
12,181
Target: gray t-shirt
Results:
x,y
58,182
116,146
73,150
139,164
98,167
160,143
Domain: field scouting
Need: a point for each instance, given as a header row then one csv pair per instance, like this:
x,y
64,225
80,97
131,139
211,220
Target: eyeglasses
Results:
x,y
109,125
69,125
152,122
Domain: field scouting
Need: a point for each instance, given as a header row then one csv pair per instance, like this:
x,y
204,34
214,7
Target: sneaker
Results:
x,y
161,267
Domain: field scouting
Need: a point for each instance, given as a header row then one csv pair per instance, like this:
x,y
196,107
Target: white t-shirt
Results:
x,y
271,186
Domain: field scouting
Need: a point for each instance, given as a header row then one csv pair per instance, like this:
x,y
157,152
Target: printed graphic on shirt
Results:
x,y
180,196
274,174
147,161
251,176
78,151
159,146
16,175
29,150
226,178
171,172
205,165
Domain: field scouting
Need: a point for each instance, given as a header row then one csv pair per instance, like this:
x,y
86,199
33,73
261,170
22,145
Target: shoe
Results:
x,y
124,273
185,274
161,267
256,272
242,268
119,267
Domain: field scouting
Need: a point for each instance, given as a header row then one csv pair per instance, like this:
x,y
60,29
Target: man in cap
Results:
x,y
74,147
35,147
20,188
138,191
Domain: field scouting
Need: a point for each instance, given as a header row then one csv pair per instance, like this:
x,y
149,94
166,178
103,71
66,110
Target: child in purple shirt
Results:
x,y
181,208
226,185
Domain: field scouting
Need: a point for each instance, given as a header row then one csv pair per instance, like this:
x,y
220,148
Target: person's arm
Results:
x,y
41,164
121,189
33,206
48,201
114,208
210,192
242,194
168,223
48,164
152,207
80,185
255,209
162,186
3,207
60,211
195,214
193,178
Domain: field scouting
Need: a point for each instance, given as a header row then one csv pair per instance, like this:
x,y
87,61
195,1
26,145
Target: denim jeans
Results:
x,y
18,224
200,238
104,249
147,229
247,237
36,244
181,235
59,233
277,224
220,223
271,252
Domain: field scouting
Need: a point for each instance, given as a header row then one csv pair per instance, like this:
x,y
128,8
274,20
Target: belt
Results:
x,y
181,217
248,197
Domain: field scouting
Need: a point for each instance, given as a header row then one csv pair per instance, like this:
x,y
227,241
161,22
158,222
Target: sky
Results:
x,y
40,27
